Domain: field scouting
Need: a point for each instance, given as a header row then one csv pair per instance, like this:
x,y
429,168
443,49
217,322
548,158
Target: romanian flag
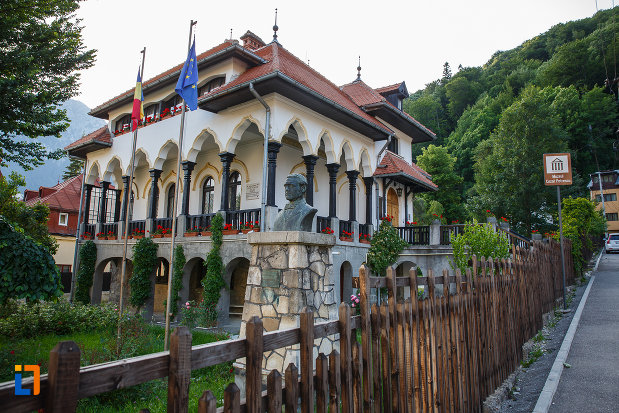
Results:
x,y
187,85
138,103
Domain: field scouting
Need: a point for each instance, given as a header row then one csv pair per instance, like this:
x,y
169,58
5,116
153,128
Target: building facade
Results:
x,y
352,143
610,189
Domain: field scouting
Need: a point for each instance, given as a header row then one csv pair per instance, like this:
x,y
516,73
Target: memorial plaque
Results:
x,y
253,191
271,278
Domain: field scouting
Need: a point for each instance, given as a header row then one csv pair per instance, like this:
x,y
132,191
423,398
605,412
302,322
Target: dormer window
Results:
x,y
123,123
210,85
393,145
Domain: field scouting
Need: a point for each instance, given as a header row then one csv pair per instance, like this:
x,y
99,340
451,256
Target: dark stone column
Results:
x,y
352,191
87,203
406,194
126,193
188,168
117,206
226,160
332,168
103,201
310,162
384,198
154,193
273,150
369,182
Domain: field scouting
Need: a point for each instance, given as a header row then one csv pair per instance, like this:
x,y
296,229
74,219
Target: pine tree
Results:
x,y
446,73
75,167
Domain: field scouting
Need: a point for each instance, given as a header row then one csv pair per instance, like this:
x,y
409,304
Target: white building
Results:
x,y
352,142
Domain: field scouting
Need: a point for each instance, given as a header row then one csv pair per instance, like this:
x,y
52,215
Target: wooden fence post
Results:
x,y
274,392
396,389
292,388
254,351
345,358
334,381
63,377
322,383
306,324
180,370
232,399
364,303
207,403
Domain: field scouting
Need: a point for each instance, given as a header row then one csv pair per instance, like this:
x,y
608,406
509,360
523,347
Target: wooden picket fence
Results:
x,y
436,353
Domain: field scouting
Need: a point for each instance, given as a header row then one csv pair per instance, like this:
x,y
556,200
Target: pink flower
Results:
x,y
353,304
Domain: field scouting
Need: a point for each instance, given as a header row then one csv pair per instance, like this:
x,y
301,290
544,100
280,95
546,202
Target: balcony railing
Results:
x,y
322,223
201,222
240,217
164,222
364,229
415,235
135,226
346,226
448,231
109,227
90,229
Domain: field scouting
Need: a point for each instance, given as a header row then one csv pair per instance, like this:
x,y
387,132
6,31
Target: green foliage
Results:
x,y
478,240
426,211
31,220
88,258
75,168
385,249
177,279
437,161
58,317
144,264
27,269
42,53
213,281
581,223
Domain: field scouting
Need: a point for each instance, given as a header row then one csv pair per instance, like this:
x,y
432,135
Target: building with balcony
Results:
x,y
610,188
352,143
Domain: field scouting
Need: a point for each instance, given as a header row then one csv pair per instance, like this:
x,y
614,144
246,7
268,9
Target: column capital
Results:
x,y
274,146
226,157
155,173
125,179
310,160
368,181
352,175
332,168
188,166
105,184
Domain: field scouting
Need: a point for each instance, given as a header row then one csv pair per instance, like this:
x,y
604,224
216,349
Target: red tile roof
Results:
x,y
389,88
278,59
101,135
362,94
392,164
64,197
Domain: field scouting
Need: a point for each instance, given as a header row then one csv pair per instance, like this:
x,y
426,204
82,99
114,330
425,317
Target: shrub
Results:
x,y
385,248
213,281
144,264
177,279
88,258
479,240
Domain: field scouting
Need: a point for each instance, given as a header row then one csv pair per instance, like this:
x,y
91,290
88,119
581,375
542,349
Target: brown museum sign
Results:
x,y
557,169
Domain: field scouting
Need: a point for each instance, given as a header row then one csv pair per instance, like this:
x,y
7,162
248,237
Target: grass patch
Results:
x,y
534,355
539,337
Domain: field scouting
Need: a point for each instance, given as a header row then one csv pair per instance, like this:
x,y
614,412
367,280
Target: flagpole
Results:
x,y
123,271
174,209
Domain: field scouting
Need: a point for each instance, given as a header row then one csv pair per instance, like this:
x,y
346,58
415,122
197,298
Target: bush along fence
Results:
x,y
428,352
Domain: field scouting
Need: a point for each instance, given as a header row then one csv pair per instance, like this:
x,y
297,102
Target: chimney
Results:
x,y
251,41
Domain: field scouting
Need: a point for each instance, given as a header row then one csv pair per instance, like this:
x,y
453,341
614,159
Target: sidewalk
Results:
x,y
591,384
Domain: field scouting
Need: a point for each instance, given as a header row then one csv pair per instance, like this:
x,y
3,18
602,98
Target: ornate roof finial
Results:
x,y
275,28
359,69
230,34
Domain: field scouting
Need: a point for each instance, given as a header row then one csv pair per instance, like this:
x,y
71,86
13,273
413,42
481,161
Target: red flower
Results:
x,y
12,351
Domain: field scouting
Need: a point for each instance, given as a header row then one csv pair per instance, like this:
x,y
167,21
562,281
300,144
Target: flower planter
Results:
x,y
257,229
113,238
167,235
229,231
346,239
137,236
87,238
205,233
364,241
157,236
246,231
191,234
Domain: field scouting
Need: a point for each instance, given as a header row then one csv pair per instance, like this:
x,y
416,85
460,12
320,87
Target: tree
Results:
x,y
509,170
144,264
42,52
446,73
88,259
213,281
31,220
27,269
75,168
437,161
480,240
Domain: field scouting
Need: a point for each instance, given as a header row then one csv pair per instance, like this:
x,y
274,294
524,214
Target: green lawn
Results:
x,y
100,346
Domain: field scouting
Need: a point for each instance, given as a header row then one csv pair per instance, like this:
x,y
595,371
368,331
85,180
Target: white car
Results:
x,y
612,243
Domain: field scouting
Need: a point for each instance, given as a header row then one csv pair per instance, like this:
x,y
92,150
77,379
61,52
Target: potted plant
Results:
x,y
86,235
228,230
365,238
101,235
205,231
346,236
167,233
257,226
111,235
327,230
158,232
192,232
165,113
247,227
137,233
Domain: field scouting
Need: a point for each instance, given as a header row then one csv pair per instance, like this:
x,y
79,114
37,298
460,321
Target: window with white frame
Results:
x,y
63,219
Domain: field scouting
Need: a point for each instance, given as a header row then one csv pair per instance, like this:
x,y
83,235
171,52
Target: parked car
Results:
x,y
612,243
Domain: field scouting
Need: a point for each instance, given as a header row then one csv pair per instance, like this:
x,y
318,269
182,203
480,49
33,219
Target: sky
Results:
x,y
397,40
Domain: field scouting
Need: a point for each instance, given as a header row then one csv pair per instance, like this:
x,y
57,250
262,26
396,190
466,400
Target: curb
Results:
x,y
552,382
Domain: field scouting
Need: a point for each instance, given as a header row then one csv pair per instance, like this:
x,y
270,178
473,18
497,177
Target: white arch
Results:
x,y
301,133
238,131
93,173
206,135
325,136
113,166
365,166
346,151
168,150
141,156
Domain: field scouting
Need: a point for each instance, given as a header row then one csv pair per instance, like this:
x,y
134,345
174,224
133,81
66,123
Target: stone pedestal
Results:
x,y
289,270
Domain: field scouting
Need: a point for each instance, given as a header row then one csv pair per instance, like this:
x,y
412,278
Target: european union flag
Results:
x,y
187,85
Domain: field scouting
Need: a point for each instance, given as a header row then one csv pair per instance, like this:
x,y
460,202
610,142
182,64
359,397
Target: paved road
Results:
x,y
592,383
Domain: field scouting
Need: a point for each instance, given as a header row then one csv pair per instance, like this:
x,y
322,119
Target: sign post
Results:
x,y
557,172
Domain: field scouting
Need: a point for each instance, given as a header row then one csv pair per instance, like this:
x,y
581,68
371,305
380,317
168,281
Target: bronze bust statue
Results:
x,y
297,215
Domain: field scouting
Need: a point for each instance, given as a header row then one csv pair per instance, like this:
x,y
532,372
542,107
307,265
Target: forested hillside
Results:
x,y
556,92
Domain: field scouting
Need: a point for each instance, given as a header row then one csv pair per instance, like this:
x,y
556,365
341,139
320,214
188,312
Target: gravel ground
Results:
x,y
530,381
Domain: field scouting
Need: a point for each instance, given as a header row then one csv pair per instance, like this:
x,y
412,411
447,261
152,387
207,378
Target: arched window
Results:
x,y
170,201
208,195
234,191
210,85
